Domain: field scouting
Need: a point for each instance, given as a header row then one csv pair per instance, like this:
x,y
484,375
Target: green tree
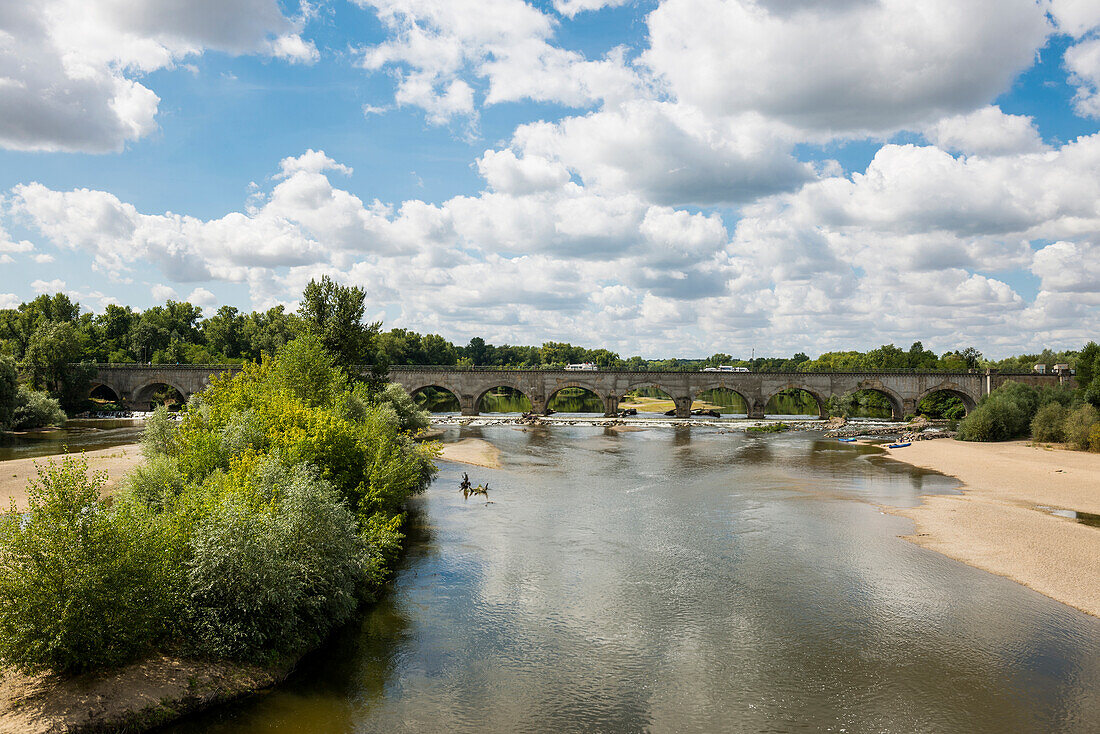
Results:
x,y
335,314
8,390
52,347
224,332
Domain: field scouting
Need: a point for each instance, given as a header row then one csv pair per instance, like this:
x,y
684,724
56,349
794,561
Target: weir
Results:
x,y
135,384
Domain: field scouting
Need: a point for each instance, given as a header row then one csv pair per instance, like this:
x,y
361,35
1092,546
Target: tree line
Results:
x,y
50,342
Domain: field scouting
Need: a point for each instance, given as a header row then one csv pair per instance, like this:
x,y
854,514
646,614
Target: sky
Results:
x,y
658,177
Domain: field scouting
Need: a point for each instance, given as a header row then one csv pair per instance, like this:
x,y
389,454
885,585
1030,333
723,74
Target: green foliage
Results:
x,y
9,388
769,428
409,418
35,409
276,564
1078,426
81,586
258,522
942,404
1049,423
1094,438
334,313
1002,415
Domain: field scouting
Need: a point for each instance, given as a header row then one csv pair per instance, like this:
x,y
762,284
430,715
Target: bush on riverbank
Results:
x,y
1003,415
36,409
1078,426
1015,410
20,406
1049,423
261,520
82,586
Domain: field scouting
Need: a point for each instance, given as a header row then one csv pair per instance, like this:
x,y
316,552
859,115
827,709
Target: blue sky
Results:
x,y
664,178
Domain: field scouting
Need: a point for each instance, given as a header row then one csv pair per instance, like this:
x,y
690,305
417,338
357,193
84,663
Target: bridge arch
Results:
x,y
143,395
723,385
817,396
96,386
603,400
952,390
642,385
429,404
897,404
510,385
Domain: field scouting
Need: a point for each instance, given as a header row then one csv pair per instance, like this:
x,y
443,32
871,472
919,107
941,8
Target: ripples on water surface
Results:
x,y
684,580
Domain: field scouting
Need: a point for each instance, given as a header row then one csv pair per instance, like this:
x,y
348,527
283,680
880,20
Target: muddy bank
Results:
x,y
1002,522
136,697
116,461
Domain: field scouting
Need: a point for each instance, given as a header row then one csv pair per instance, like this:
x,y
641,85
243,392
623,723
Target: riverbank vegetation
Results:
x,y
22,407
1048,414
262,518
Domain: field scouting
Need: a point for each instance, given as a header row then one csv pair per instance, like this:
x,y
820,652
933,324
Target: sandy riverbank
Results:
x,y
116,461
133,698
473,451
997,524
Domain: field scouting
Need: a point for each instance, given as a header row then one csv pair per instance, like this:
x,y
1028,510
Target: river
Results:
x,y
686,580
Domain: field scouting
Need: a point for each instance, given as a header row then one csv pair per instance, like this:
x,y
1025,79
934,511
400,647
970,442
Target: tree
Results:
x,y
335,314
1088,362
51,349
224,332
8,390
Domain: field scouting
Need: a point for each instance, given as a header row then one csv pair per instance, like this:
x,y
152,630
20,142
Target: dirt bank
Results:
x,y
998,524
116,461
472,451
134,698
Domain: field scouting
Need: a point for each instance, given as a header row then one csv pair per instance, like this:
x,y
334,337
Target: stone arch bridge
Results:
x,y
135,385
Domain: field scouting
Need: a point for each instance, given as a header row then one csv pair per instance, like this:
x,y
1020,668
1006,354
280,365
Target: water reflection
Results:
x,y
35,444
692,581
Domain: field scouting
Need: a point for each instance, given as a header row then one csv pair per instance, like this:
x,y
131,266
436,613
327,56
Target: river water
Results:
x,y
686,580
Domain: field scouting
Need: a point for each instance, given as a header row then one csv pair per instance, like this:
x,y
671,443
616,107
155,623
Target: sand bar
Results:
x,y
996,524
473,451
116,461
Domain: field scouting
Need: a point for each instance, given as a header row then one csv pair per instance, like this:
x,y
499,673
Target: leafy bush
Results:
x,y
1079,425
157,482
1002,415
81,586
1049,423
1094,438
159,436
275,566
34,409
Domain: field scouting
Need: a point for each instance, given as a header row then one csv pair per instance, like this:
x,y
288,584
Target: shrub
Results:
x,y
275,566
1078,426
157,482
159,437
1049,423
1002,415
81,586
35,409
1094,438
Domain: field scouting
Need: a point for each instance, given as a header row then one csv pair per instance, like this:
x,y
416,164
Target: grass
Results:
x,y
770,428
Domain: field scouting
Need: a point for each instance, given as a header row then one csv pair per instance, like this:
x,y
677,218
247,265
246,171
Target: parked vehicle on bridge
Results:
x,y
582,367
726,368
